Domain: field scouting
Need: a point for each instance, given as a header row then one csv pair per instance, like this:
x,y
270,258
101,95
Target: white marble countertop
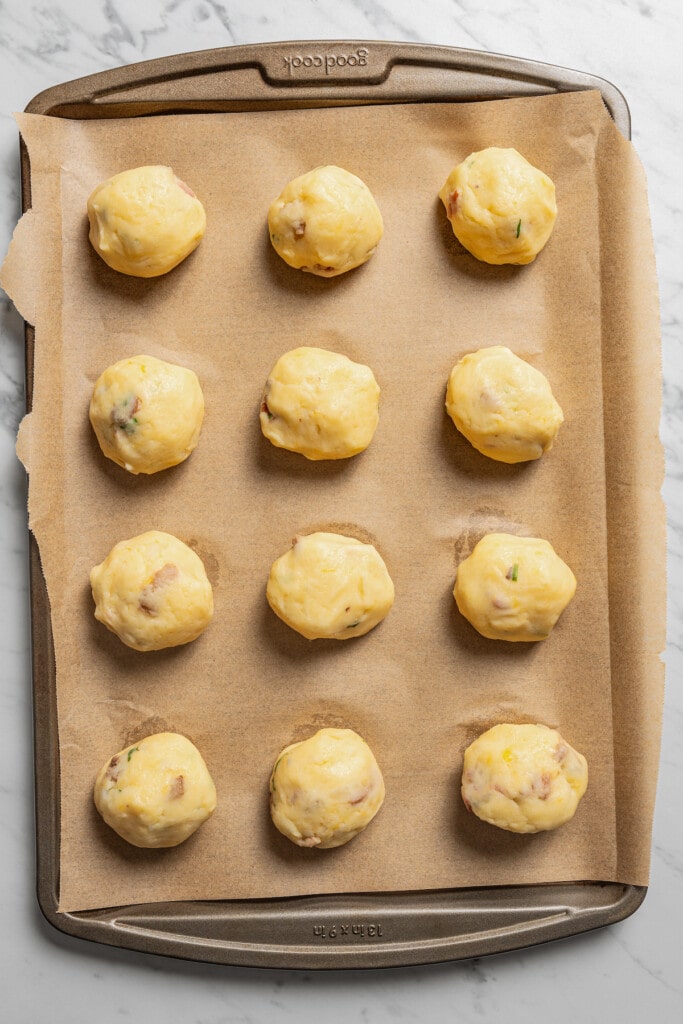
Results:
x,y
630,971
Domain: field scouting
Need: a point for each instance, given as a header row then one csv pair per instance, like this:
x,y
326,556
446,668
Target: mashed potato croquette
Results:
x,y
145,221
153,592
326,789
325,222
513,588
503,405
330,586
156,792
146,413
523,778
501,207
320,404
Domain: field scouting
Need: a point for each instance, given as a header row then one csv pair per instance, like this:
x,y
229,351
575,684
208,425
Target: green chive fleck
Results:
x,y
519,226
515,572
352,625
132,751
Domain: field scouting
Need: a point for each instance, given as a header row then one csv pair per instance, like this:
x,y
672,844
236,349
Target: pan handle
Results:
x,y
352,931
271,76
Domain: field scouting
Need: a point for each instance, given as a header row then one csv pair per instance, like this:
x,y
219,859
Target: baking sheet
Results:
x,y
420,304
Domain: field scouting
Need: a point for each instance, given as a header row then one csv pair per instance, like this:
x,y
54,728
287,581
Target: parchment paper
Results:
x,y
421,686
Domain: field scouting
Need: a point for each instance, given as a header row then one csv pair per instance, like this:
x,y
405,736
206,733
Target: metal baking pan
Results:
x,y
312,932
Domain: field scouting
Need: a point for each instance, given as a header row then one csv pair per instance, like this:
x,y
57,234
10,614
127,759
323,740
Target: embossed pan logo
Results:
x,y
328,61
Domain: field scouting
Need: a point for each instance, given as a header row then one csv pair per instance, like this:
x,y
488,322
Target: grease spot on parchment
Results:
x,y
211,563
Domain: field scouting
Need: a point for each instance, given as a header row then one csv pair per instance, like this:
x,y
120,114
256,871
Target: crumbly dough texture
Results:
x,y
325,222
326,789
523,778
146,413
330,586
145,221
156,792
153,592
502,405
501,207
513,588
320,404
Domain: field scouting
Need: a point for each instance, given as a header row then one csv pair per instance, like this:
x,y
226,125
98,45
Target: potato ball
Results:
x,y
330,586
325,222
502,405
146,413
513,588
153,592
523,778
501,207
320,404
326,789
145,221
156,792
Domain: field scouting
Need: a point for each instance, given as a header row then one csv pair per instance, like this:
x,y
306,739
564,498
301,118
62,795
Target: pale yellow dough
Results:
x,y
320,404
501,207
326,789
325,222
330,586
156,792
523,778
513,588
147,414
153,592
502,405
145,221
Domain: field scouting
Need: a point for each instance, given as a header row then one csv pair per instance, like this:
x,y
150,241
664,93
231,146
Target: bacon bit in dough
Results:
x,y
165,575
177,789
112,774
453,203
501,604
359,799
266,410
122,414
299,229
161,578
541,786
561,752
